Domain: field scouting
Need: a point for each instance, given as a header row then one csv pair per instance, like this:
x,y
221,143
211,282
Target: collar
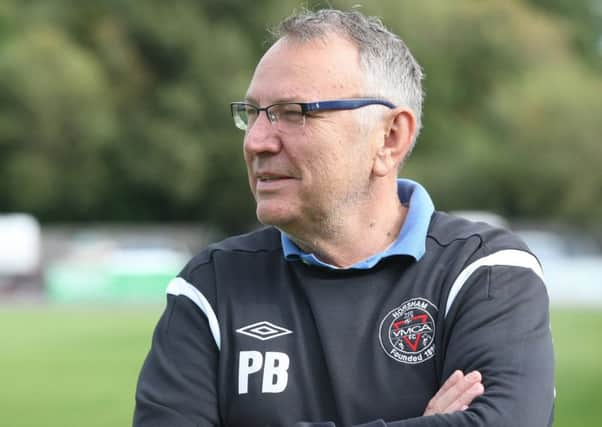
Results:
x,y
410,241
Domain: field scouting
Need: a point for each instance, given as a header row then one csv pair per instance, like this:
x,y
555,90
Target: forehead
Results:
x,y
307,70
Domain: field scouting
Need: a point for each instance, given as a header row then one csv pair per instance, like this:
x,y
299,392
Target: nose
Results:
x,y
262,137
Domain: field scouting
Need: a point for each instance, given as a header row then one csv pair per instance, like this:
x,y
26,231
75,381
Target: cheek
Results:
x,y
248,163
332,152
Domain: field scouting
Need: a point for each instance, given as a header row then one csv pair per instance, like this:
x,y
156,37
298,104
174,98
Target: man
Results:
x,y
358,304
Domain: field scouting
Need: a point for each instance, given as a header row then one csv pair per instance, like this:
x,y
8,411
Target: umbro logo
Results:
x,y
264,331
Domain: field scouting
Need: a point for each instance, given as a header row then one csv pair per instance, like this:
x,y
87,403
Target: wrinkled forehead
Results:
x,y
324,68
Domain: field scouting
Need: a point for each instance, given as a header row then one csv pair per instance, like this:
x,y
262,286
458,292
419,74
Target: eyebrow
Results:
x,y
253,101
296,99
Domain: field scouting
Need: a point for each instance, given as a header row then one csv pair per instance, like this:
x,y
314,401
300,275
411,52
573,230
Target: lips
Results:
x,y
269,176
271,181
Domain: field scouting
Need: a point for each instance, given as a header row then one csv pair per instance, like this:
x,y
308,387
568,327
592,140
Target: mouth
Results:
x,y
271,182
263,178
268,177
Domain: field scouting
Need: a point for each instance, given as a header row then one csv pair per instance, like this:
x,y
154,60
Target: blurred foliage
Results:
x,y
118,110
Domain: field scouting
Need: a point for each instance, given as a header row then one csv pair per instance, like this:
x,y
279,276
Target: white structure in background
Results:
x,y
572,266
484,216
20,248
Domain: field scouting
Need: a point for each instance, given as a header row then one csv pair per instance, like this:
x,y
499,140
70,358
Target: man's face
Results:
x,y
308,177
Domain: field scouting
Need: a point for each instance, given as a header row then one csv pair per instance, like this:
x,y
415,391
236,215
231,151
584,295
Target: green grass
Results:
x,y
71,366
77,366
578,347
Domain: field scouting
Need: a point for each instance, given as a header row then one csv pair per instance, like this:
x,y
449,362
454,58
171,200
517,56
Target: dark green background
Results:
x,y
118,110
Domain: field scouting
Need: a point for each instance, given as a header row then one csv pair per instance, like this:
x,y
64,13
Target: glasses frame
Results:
x,y
308,107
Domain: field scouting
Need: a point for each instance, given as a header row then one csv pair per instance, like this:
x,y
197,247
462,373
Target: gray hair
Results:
x,y
390,69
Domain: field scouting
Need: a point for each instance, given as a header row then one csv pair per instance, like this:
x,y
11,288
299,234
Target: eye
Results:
x,y
289,112
292,113
250,111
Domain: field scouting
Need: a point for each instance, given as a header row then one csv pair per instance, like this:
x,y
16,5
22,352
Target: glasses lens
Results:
x,y
243,114
287,114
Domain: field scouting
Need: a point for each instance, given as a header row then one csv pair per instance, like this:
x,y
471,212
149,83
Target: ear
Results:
x,y
399,131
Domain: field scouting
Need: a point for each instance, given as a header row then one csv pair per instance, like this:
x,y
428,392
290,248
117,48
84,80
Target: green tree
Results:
x,y
118,110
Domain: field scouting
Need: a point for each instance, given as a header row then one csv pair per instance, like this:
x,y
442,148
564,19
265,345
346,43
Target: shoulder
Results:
x,y
469,248
199,277
449,230
464,247
266,239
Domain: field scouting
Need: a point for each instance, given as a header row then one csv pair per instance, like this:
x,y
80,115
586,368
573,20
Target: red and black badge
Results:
x,y
407,333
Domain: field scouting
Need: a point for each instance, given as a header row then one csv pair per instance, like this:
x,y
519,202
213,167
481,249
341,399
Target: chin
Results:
x,y
277,216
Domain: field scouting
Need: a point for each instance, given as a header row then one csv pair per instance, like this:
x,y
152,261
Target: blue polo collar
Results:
x,y
410,241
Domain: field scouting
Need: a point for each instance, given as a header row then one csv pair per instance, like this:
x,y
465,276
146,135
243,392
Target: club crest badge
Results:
x,y
407,333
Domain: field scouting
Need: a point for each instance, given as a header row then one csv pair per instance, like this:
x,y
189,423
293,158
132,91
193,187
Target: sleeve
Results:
x,y
177,383
499,325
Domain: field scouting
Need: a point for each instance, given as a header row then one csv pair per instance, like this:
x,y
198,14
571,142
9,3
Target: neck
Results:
x,y
369,231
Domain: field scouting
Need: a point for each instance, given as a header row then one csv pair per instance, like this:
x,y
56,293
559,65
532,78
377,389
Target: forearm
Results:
x,y
501,329
459,419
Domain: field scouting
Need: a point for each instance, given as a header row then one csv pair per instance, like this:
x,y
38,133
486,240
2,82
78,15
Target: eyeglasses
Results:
x,y
293,113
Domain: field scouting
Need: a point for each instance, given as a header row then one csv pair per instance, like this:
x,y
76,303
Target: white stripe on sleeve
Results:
x,y
179,286
508,257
